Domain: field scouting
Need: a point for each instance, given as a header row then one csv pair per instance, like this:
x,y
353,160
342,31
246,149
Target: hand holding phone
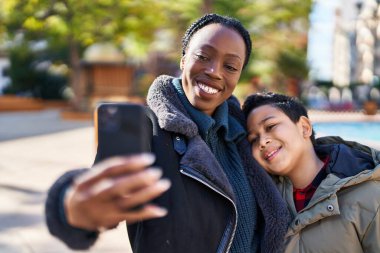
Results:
x,y
110,192
121,185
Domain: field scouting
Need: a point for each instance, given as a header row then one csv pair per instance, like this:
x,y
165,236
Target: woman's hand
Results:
x,y
115,190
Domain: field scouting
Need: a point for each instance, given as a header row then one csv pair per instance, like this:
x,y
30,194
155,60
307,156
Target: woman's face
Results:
x,y
212,66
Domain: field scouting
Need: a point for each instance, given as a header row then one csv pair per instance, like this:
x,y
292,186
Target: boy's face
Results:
x,y
277,143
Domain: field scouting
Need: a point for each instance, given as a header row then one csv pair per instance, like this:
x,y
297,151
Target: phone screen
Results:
x,y
122,129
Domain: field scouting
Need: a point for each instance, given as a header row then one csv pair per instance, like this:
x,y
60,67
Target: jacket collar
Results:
x,y
203,121
233,131
344,161
165,102
173,117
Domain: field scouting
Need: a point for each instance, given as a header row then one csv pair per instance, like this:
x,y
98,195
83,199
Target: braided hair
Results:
x,y
218,19
290,106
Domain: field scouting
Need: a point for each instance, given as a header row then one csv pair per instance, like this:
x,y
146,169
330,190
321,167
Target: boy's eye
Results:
x,y
270,127
254,140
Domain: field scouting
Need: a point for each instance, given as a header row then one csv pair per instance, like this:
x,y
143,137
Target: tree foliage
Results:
x,y
82,23
278,29
133,25
292,63
86,22
30,76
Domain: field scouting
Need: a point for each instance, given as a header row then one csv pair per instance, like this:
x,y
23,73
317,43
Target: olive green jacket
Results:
x,y
343,215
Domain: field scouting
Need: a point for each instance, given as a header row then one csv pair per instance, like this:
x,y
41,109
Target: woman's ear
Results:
x,y
182,63
307,128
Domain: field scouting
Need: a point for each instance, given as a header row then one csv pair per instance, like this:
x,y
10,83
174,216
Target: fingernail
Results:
x,y
148,158
154,172
100,186
160,211
164,184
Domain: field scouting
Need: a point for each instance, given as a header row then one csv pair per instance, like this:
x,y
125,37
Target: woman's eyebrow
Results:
x,y
208,46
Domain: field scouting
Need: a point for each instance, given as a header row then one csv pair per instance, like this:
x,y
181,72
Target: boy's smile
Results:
x,y
270,155
277,143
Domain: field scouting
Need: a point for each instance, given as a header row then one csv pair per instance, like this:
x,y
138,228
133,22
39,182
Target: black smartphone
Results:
x,y
122,129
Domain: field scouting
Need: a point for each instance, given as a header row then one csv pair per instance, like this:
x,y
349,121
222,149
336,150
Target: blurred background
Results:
x,y
60,58
324,52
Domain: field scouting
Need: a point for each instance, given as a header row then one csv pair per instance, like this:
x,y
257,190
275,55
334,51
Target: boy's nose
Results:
x,y
264,141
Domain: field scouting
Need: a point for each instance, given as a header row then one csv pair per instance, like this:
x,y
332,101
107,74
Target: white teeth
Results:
x,y
271,153
207,89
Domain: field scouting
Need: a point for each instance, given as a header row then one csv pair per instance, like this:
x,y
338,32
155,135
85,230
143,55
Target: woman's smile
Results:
x,y
212,66
207,89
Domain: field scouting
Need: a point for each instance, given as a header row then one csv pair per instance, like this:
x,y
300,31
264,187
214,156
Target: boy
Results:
x,y
332,190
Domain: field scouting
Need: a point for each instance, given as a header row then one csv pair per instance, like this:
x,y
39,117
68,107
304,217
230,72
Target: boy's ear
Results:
x,y
307,128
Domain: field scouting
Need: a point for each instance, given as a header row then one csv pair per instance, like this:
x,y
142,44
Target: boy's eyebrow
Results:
x,y
266,119
262,122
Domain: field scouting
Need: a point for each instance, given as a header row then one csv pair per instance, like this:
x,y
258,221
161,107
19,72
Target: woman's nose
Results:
x,y
213,71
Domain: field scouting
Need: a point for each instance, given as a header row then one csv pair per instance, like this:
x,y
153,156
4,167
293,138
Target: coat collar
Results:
x,y
172,116
344,161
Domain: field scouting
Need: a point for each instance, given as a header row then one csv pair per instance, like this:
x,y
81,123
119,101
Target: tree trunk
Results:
x,y
78,99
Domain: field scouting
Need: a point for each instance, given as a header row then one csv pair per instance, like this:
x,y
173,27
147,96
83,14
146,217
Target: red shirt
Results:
x,y
303,196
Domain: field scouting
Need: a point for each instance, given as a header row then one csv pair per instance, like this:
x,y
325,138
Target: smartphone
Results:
x,y
122,129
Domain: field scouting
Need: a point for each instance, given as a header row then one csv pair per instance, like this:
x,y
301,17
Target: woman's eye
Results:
x,y
201,57
231,68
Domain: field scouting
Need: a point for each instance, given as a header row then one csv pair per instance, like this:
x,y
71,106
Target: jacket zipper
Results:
x,y
196,176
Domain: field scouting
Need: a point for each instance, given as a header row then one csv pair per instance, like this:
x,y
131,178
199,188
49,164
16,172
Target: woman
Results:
x,y
332,190
214,203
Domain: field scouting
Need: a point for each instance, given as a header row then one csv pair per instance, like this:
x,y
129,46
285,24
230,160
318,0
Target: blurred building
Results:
x,y
344,49
367,41
105,75
356,43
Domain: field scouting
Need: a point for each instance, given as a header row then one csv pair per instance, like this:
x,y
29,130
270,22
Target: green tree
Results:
x,y
82,23
30,74
278,29
280,34
275,26
291,63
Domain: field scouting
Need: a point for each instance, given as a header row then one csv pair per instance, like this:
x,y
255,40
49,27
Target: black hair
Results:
x,y
223,20
290,106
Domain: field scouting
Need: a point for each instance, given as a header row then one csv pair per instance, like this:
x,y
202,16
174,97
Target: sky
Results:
x,y
320,39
